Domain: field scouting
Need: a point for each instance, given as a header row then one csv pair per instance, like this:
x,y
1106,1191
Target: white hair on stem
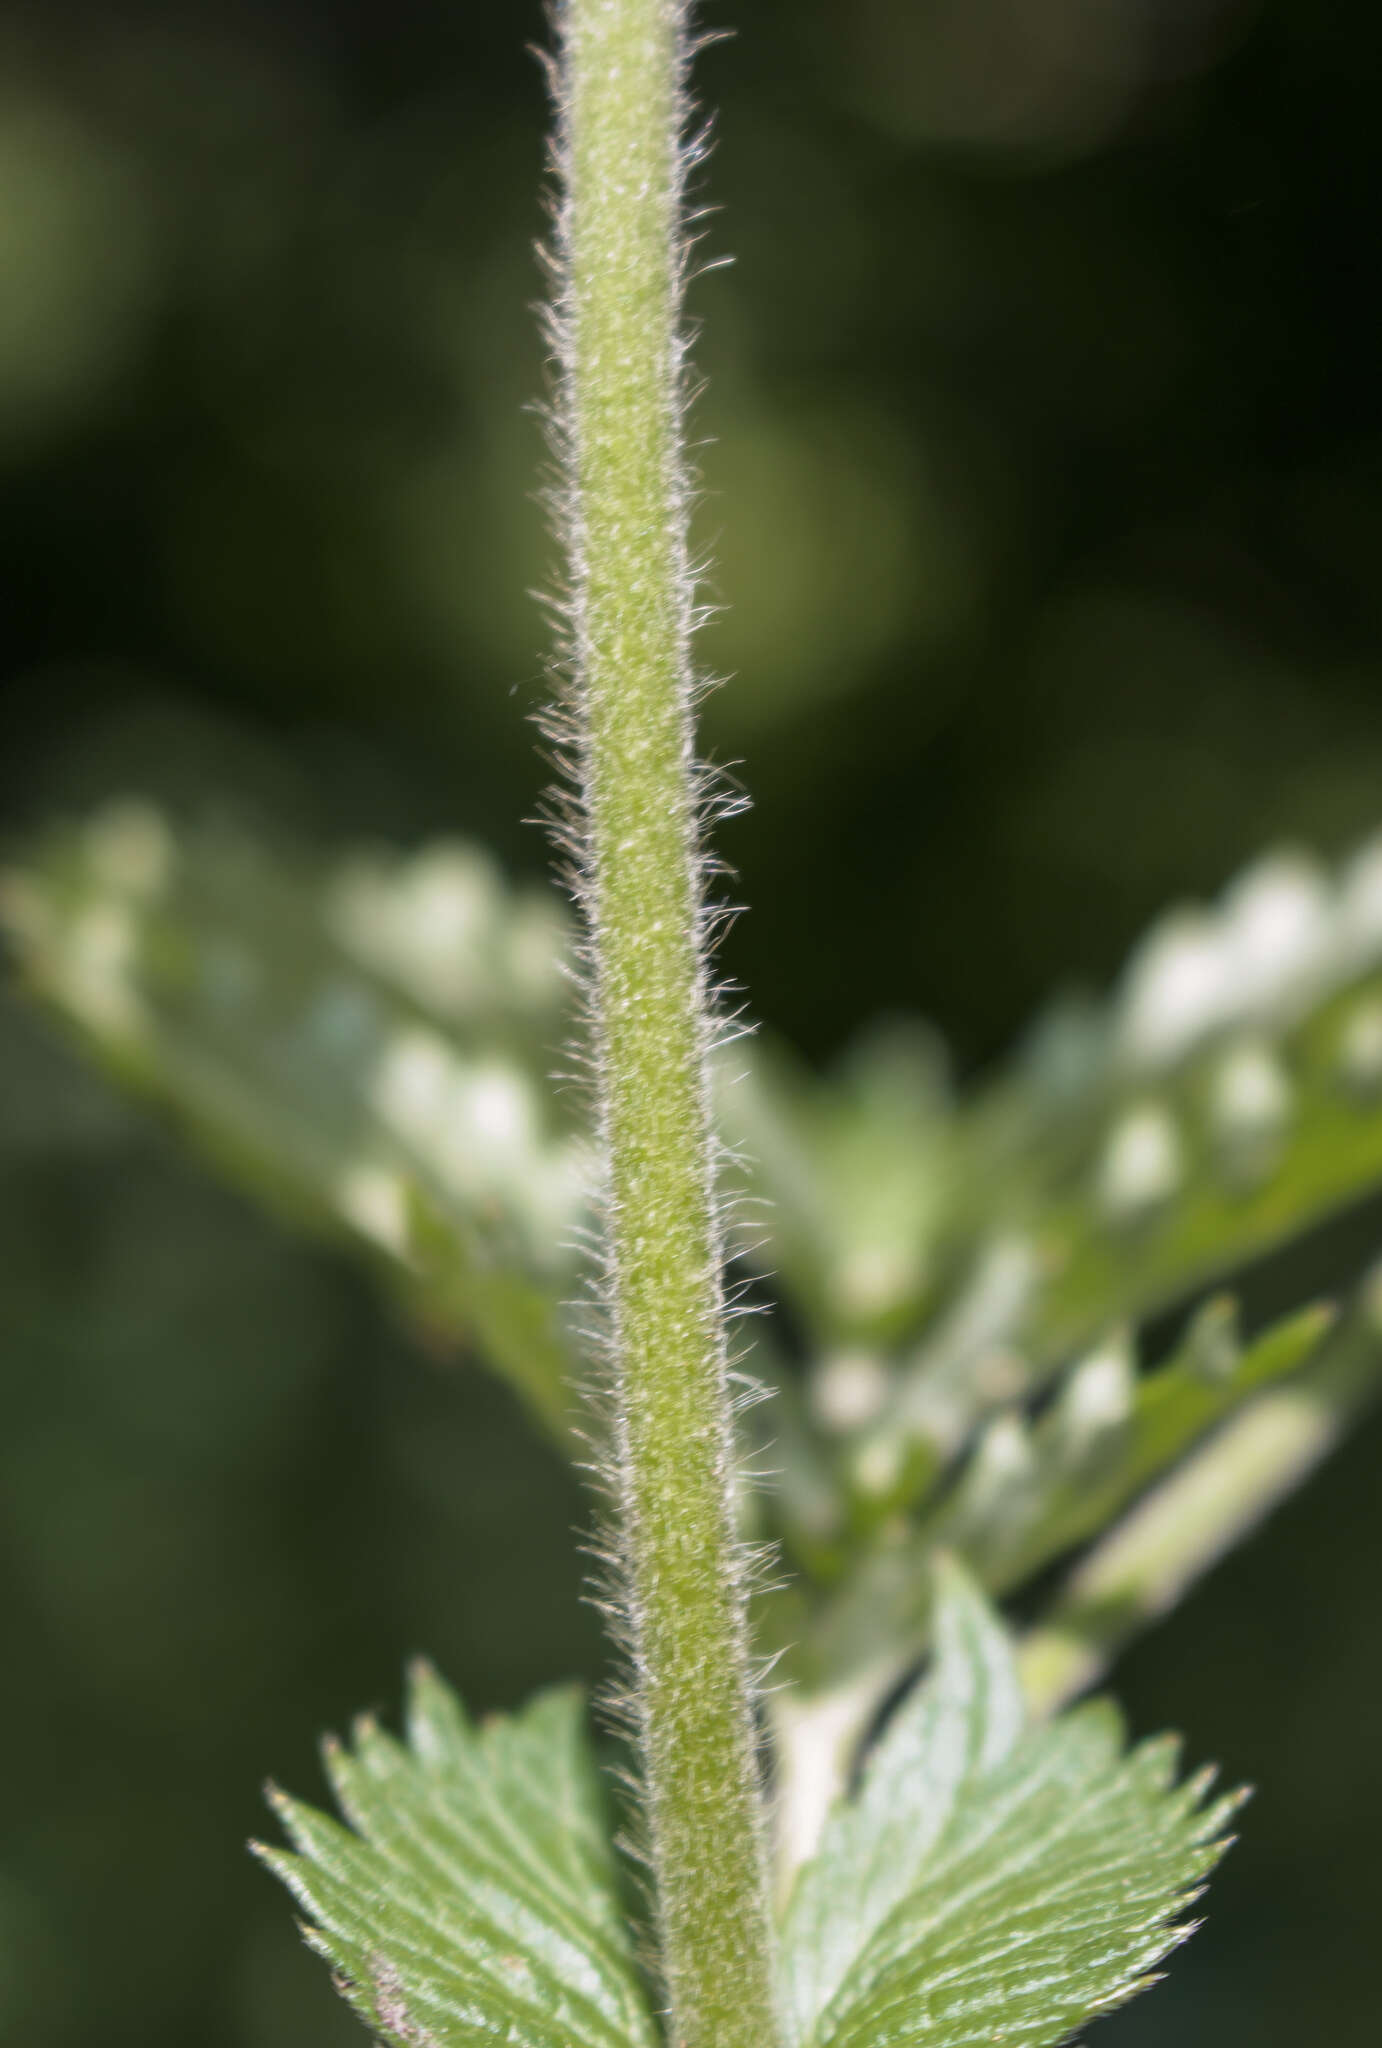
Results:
x,y
630,825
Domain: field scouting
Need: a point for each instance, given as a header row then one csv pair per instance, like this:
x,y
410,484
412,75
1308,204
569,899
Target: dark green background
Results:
x,y
1041,465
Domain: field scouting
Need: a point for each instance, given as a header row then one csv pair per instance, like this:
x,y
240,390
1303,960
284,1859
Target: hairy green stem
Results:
x,y
618,324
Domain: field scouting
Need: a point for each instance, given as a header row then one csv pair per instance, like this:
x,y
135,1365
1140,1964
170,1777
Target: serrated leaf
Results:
x,y
1069,1497
987,1883
874,1849
1147,1561
311,1036
1029,1492
1227,1098
474,1894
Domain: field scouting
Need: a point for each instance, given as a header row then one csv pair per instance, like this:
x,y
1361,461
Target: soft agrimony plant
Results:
x,y
364,1045
986,1883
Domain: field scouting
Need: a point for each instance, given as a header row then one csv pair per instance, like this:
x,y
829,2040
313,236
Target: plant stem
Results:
x,y
640,876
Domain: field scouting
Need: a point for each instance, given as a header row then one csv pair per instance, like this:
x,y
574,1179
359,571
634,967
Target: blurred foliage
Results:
x,y
360,1042
1041,469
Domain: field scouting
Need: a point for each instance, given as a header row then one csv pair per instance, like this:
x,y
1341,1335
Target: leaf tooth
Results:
x,y
1216,1817
1213,1340
1123,1994
292,1871
1199,1782
1158,1759
439,1730
343,1773
313,1834
378,1753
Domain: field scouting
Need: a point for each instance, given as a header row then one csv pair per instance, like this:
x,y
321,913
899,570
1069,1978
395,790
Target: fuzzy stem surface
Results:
x,y
621,245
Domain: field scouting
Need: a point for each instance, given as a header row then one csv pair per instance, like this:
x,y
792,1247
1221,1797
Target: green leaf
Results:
x,y
1234,1197
989,1883
1100,1444
1031,1491
1224,1099
874,1850
363,1045
474,1895
849,1176
1143,1566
